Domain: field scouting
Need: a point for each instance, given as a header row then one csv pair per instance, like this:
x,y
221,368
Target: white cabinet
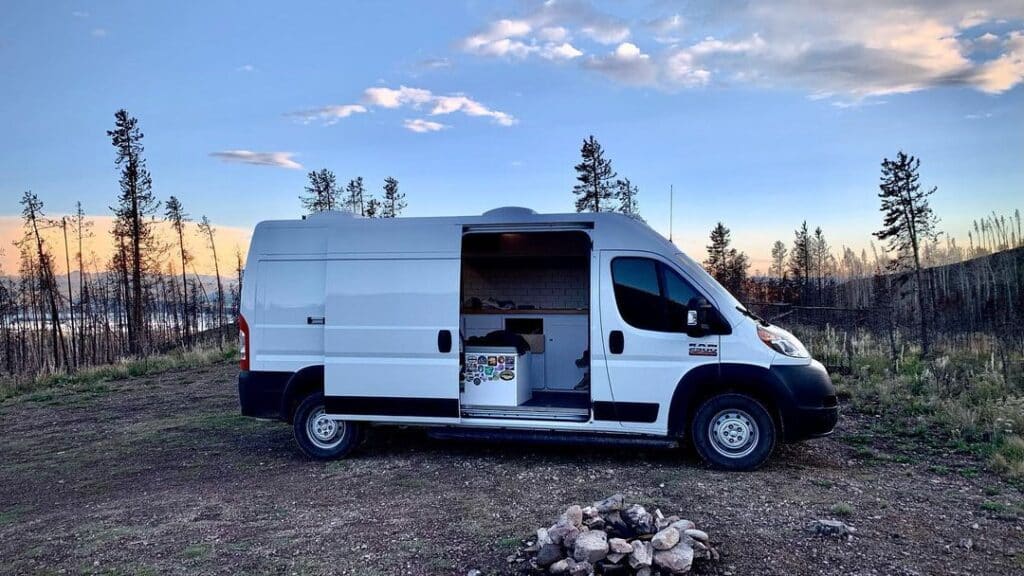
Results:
x,y
565,340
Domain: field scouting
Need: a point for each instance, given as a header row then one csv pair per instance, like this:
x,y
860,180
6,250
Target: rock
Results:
x,y
594,523
665,539
616,526
619,546
474,572
645,571
570,539
581,569
683,525
559,531
642,554
676,560
639,519
612,503
560,567
590,546
549,554
606,569
698,535
590,512
831,528
542,536
660,523
615,557
573,515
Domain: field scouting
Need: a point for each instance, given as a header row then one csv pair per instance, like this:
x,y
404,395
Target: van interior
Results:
x,y
524,322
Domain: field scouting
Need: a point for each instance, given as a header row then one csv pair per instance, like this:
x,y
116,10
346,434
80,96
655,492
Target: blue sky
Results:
x,y
760,115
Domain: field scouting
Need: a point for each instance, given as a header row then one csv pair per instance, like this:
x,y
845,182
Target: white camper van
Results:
x,y
513,324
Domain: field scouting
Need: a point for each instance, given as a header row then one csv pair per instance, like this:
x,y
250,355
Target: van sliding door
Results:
x,y
391,338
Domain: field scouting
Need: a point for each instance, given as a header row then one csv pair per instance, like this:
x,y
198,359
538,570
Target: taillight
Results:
x,y
243,343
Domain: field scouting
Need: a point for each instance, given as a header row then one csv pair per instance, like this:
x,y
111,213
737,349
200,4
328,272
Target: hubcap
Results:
x,y
322,431
733,433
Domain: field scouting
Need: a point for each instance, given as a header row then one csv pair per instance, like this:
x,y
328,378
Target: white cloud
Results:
x,y
563,51
553,34
329,114
435,63
973,18
80,14
406,97
627,64
978,116
1006,71
246,68
98,32
843,50
420,125
470,107
276,159
393,98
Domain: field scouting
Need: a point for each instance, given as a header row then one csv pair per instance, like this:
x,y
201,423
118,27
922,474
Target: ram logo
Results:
x,y
697,349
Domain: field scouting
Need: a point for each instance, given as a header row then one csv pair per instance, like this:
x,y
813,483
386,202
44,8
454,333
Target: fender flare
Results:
x,y
302,382
709,380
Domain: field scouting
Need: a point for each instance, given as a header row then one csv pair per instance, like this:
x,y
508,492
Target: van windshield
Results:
x,y
723,297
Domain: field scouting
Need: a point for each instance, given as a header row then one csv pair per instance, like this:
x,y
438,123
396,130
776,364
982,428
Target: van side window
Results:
x,y
637,293
650,295
678,293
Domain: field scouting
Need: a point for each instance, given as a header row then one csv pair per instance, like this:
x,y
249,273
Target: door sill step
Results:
x,y
551,437
527,413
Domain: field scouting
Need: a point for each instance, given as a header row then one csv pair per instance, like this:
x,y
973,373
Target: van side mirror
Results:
x,y
698,314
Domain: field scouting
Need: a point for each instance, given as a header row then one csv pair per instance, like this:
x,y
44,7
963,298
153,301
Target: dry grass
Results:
x,y
963,393
126,368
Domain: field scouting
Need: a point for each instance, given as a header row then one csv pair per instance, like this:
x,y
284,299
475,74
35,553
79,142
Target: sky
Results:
x,y
760,115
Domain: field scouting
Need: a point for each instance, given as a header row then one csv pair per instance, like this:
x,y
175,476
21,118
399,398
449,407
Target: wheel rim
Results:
x,y
322,431
733,433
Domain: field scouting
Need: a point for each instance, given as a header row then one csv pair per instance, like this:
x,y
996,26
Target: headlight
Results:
x,y
782,342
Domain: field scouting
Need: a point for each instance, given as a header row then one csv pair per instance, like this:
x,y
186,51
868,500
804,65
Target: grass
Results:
x,y
197,551
967,396
44,388
841,510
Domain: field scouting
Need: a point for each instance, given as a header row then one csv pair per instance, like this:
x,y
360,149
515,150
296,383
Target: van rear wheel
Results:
x,y
321,437
733,432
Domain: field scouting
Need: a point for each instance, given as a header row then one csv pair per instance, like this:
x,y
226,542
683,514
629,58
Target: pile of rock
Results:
x,y
613,537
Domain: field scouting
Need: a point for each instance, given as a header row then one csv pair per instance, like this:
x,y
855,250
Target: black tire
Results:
x,y
733,432
326,446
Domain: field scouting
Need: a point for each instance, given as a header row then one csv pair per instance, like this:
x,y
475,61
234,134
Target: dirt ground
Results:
x,y
160,475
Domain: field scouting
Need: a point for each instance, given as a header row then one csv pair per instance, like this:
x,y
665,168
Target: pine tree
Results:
x,y
373,208
321,191
32,212
800,260
132,227
725,263
176,215
394,201
596,178
778,268
626,193
908,222
822,262
354,199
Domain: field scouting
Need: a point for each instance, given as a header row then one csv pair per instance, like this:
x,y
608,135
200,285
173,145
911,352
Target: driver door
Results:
x,y
643,321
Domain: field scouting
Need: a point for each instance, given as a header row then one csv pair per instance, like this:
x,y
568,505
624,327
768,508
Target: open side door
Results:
x,y
391,338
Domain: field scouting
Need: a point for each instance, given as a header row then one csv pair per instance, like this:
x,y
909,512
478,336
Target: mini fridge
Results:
x,y
495,376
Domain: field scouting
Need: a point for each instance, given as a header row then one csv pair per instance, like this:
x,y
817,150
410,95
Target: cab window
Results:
x,y
651,296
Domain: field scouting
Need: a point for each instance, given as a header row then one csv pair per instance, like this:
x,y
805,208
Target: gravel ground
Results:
x,y
160,475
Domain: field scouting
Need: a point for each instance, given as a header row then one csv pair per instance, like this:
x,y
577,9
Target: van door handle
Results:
x,y
314,319
444,341
616,342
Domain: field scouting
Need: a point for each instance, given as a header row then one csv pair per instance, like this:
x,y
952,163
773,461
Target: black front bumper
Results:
x,y
260,393
814,408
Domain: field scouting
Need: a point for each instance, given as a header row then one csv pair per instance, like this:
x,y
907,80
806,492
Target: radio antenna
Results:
x,y
671,205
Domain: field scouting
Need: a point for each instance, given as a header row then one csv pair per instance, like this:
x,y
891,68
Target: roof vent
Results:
x,y
510,212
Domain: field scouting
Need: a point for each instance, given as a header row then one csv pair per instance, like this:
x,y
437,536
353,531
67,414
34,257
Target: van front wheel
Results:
x,y
733,432
321,437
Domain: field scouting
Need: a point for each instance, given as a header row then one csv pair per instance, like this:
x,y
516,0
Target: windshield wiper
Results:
x,y
753,316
